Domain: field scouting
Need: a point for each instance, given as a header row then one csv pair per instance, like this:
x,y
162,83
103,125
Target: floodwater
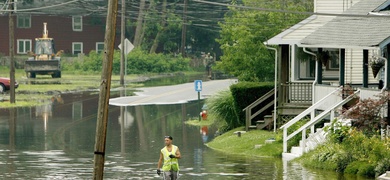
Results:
x,y
56,141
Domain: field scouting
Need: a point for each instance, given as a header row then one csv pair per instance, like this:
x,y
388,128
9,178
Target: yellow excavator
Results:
x,y
44,60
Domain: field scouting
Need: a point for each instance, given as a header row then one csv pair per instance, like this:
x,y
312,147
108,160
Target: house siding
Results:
x,y
60,29
354,67
333,6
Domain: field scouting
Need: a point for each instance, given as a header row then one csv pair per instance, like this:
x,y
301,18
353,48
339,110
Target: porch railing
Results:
x,y
296,92
313,119
249,115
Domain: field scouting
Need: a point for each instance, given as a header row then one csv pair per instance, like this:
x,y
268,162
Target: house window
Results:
x,y
77,23
334,61
23,21
24,45
77,47
99,47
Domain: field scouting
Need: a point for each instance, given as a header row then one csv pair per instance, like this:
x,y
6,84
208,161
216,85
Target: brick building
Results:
x,y
73,34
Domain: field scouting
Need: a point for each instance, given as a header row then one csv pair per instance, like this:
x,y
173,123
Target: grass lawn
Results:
x,y
245,145
196,122
32,91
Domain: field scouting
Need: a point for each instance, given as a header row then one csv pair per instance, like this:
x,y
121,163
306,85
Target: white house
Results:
x,y
350,34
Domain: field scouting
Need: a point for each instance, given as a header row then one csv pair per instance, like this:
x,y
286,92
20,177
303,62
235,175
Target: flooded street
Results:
x,y
56,141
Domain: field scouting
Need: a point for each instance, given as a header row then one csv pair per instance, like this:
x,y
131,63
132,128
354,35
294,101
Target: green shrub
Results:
x,y
227,106
382,166
337,132
323,157
329,156
357,153
295,140
366,169
341,159
244,93
138,62
353,167
221,109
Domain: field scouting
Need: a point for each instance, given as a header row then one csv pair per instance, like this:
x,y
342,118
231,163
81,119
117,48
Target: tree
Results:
x,y
243,34
140,20
161,28
366,114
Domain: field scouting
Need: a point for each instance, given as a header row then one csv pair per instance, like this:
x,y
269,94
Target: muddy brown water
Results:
x,y
56,141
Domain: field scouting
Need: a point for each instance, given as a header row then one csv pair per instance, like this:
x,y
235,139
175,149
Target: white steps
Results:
x,y
385,176
311,142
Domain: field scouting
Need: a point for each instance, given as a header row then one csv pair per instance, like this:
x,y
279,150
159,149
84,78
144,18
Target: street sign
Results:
x,y
128,46
198,85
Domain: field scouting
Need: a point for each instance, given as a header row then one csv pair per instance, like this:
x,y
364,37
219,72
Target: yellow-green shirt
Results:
x,y
170,163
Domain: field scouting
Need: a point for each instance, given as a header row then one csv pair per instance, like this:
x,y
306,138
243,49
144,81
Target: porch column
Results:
x,y
319,68
365,68
342,67
388,68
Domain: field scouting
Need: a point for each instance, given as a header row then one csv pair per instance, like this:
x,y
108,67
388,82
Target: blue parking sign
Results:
x,y
198,85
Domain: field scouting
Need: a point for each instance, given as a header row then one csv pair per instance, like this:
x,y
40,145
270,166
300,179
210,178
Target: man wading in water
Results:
x,y
170,155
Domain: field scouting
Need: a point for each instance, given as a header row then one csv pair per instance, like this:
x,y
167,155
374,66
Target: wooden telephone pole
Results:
x,y
122,70
11,51
105,85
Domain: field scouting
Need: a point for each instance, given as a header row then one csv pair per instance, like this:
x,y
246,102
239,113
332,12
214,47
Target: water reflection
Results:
x,y
57,142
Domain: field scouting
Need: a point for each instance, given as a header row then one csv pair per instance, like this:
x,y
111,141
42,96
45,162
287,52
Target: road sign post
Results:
x,y
127,48
198,88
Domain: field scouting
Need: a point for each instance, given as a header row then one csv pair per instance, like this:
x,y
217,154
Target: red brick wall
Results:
x,y
60,28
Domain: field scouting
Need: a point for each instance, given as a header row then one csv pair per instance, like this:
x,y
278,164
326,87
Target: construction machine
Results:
x,y
44,60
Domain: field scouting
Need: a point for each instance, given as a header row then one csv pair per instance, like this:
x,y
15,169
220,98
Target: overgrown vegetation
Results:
x,y
245,93
226,107
244,31
138,62
222,110
357,149
295,140
366,114
356,154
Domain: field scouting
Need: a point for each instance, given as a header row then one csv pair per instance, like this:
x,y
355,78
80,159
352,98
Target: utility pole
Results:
x,y
184,30
123,14
11,52
105,86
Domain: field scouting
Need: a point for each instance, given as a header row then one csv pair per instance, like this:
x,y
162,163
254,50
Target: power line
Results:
x,y
40,8
292,12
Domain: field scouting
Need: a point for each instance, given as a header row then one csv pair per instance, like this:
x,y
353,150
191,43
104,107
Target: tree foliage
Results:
x,y
366,114
244,32
138,62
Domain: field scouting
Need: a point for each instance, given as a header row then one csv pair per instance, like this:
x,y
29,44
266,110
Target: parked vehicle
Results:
x,y
5,84
44,60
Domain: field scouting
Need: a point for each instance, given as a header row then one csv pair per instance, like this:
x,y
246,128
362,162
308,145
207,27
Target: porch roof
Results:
x,y
299,31
355,32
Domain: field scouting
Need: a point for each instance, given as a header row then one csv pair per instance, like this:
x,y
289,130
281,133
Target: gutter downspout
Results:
x,y
316,78
276,79
386,71
382,90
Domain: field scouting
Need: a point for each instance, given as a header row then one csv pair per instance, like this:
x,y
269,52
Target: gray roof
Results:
x,y
59,7
354,31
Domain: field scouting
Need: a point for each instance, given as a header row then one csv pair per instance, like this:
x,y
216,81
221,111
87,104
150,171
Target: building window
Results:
x,y
334,60
24,45
77,23
24,21
99,47
77,47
